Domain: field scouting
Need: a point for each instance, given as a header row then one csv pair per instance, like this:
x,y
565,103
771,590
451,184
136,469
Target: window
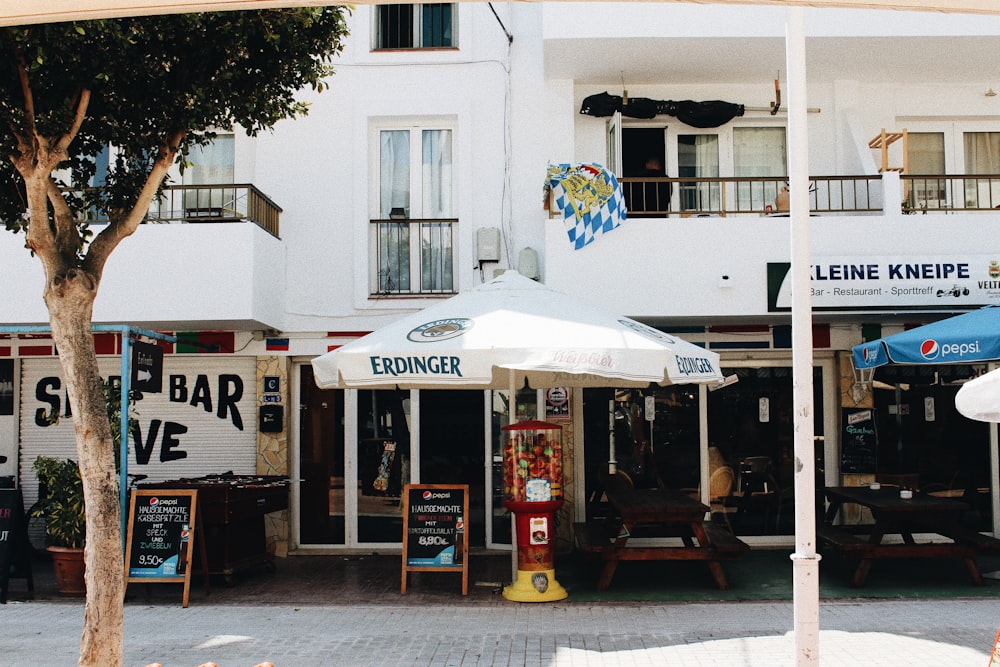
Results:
x,y
412,231
925,160
698,157
982,157
758,152
695,162
417,26
211,165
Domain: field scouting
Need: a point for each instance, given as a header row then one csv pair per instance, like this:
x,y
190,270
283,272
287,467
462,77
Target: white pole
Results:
x,y
805,561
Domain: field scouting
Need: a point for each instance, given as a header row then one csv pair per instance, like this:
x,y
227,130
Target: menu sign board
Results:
x,y
434,536
15,559
858,444
160,531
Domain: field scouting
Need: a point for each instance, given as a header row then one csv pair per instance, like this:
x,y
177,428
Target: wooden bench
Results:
x,y
853,545
984,544
593,539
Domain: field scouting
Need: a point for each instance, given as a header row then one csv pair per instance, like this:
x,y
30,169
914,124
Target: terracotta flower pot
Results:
x,y
69,569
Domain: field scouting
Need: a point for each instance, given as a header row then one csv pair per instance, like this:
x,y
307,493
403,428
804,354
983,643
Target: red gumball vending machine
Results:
x,y
532,461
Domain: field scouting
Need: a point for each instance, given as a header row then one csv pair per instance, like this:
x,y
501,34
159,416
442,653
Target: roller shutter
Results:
x,y
204,421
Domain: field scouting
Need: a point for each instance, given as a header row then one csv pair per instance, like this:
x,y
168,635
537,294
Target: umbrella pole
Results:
x,y
511,420
612,464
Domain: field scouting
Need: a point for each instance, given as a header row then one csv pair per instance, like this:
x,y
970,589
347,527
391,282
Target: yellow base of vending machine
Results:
x,y
536,586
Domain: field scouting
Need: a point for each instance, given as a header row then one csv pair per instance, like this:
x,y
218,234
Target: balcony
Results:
x,y
177,273
709,253
211,203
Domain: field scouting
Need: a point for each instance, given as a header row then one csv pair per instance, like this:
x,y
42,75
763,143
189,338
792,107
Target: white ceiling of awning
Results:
x,y
17,12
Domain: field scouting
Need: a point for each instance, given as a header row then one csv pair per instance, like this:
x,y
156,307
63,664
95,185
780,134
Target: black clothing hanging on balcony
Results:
x,y
712,113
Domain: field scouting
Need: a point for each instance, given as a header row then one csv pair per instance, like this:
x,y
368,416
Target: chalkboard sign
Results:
x,y
160,540
434,536
15,556
858,441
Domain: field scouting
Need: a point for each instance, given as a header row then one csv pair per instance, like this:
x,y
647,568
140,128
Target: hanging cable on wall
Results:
x,y
510,37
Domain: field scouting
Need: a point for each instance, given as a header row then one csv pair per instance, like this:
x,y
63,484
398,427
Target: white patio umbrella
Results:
x,y
511,330
979,398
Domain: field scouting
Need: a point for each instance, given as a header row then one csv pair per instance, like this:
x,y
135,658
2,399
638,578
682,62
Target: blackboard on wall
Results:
x,y
858,441
15,554
434,536
160,542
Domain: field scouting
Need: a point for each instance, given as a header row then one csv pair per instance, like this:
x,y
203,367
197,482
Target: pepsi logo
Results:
x,y
930,349
427,495
154,501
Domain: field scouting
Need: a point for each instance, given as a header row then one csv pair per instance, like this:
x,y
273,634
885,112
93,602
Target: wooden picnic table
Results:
x,y
656,513
923,513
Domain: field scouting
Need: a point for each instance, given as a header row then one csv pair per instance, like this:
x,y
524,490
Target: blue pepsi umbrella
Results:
x,y
963,339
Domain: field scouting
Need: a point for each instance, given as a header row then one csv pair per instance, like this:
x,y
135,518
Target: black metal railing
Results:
x,y
694,197
210,203
923,194
413,257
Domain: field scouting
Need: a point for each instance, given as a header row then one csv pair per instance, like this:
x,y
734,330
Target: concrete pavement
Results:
x,y
952,632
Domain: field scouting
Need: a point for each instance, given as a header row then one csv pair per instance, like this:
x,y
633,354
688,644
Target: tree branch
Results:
x,y
67,235
29,98
79,115
121,227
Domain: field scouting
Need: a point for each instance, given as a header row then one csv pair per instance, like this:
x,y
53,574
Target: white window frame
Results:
x,y
415,127
418,17
672,129
954,131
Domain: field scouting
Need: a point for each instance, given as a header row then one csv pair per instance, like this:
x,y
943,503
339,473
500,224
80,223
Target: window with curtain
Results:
x,y
211,165
413,234
926,165
414,26
982,158
758,152
698,157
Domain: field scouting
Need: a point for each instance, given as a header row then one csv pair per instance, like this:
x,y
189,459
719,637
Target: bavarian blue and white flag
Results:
x,y
590,199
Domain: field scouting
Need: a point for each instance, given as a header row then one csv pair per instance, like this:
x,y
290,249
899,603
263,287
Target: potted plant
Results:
x,y
60,503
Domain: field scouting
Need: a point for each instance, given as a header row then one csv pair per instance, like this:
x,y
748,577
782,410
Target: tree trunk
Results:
x,y
70,300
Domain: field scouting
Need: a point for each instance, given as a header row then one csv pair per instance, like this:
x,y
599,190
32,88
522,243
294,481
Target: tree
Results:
x,y
151,88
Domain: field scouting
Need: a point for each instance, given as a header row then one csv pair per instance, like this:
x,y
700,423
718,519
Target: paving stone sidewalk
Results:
x,y
347,611
872,633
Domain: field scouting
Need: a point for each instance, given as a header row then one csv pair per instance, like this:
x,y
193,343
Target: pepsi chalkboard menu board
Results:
x,y
434,535
159,546
15,556
858,442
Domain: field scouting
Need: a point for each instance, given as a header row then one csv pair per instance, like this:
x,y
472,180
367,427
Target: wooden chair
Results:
x,y
720,491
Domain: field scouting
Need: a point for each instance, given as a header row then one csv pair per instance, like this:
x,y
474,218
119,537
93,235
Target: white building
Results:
x,y
422,171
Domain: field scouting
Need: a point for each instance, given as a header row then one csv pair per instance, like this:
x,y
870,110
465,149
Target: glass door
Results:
x,y
383,464
320,462
451,449
750,428
698,157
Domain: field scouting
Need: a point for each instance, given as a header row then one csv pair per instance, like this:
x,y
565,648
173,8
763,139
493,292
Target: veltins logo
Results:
x,y
930,349
440,330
